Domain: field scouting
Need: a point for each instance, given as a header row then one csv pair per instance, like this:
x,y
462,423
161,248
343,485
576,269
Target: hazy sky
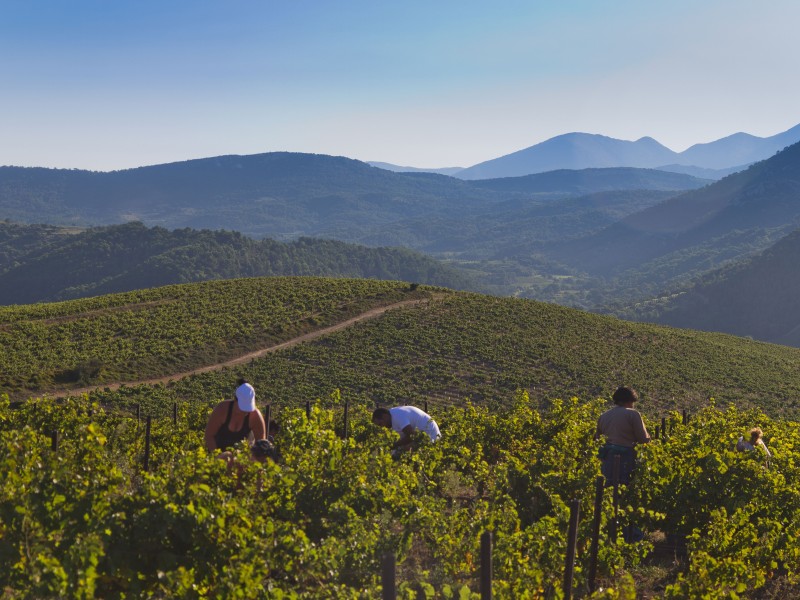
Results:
x,y
110,84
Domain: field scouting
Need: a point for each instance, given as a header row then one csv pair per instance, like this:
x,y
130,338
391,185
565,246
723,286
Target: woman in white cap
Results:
x,y
232,421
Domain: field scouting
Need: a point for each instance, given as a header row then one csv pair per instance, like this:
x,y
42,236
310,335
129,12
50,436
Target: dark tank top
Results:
x,y
226,438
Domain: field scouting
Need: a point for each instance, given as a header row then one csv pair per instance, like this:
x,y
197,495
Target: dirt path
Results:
x,y
370,314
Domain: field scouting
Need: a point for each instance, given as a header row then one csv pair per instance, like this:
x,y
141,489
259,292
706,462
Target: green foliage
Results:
x,y
39,263
85,521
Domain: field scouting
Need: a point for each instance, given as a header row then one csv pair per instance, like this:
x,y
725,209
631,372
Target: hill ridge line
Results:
x,y
311,335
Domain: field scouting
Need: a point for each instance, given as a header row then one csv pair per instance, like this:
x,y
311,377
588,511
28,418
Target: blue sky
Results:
x,y
113,84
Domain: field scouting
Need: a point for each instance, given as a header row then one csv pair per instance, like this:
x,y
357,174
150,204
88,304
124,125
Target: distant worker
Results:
x,y
232,421
623,428
405,420
756,441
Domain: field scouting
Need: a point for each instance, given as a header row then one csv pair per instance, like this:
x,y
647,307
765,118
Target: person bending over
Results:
x,y
232,421
405,420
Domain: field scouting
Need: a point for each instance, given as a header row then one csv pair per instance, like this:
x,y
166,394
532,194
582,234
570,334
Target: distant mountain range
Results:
x,y
282,195
583,151
585,238
712,160
399,169
42,263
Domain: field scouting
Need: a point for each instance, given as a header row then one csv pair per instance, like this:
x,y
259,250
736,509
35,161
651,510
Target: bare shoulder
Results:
x,y
220,410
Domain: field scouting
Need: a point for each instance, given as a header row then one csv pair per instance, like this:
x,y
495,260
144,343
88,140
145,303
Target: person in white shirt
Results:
x,y
405,420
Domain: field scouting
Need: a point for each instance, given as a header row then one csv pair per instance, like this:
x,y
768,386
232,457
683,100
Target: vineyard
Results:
x,y
449,348
150,333
82,518
89,508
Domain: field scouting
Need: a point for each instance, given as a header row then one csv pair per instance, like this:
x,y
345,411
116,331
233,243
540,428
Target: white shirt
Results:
x,y
403,416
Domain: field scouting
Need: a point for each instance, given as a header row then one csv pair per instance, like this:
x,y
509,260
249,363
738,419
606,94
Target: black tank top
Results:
x,y
226,438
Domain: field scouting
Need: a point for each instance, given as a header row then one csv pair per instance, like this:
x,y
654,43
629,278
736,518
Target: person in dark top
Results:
x,y
232,421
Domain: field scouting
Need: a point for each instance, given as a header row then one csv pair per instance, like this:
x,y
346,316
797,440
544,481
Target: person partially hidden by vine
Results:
x,y
623,429
756,441
235,420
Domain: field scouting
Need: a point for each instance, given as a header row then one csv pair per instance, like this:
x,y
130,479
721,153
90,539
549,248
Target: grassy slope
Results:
x,y
150,333
458,345
467,345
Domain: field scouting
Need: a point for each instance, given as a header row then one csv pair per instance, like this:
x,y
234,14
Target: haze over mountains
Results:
x,y
588,238
712,160
282,195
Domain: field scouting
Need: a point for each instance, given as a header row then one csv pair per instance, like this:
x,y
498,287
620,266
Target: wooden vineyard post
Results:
x,y
486,565
308,410
54,440
615,479
387,577
596,521
426,406
174,413
346,409
663,428
138,414
572,542
268,419
147,444
684,419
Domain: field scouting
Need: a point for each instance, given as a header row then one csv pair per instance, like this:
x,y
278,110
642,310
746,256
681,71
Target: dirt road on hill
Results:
x,y
312,335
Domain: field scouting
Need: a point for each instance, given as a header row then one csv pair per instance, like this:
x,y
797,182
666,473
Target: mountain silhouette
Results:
x,y
585,150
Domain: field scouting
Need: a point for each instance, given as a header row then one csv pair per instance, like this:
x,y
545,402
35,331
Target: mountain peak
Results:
x,y
579,150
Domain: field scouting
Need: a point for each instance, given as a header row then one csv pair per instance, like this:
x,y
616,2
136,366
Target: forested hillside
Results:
x,y
41,263
700,226
759,298
279,194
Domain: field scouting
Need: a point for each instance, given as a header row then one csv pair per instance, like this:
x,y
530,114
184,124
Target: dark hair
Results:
x,y
241,381
380,412
263,449
623,395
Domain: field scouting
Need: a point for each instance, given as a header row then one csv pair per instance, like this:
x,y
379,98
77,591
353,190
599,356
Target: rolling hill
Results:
x,y
280,195
39,263
453,346
590,181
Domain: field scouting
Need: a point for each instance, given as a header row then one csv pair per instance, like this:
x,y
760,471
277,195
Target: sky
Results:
x,y
113,84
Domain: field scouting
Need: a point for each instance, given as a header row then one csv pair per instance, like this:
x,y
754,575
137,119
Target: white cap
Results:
x,y
246,396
